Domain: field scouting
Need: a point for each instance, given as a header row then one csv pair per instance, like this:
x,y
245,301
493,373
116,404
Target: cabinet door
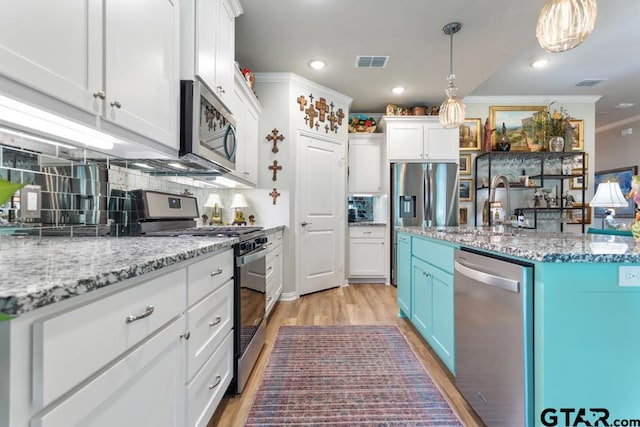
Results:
x,y
206,12
225,48
403,274
54,47
141,68
247,137
140,390
442,338
405,141
441,143
366,257
365,166
421,303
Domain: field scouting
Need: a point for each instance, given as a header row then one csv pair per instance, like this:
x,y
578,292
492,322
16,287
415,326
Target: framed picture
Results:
x,y
463,216
466,190
578,164
578,182
465,164
574,215
471,135
577,142
519,124
623,177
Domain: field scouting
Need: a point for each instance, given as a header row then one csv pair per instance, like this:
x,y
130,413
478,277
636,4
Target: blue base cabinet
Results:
x,y
425,291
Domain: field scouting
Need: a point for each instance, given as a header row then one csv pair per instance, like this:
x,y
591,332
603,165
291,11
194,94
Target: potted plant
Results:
x,y
553,128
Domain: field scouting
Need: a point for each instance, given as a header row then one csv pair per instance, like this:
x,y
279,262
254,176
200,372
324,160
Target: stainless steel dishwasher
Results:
x,y
493,336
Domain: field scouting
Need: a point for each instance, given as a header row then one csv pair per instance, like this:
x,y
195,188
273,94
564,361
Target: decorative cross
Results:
x,y
333,119
311,98
302,101
274,195
326,128
275,168
311,112
317,125
340,115
275,138
322,107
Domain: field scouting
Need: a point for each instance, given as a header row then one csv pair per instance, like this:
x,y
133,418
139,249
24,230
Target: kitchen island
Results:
x,y
583,320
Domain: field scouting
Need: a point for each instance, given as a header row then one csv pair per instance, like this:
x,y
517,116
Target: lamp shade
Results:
x,y
213,201
239,201
609,195
564,24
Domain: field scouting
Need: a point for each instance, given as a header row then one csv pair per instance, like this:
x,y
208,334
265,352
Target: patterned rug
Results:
x,y
347,376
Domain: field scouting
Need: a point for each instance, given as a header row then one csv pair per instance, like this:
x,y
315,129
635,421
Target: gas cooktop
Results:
x,y
242,232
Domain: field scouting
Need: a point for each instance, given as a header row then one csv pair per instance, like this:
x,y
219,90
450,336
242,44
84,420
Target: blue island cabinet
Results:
x,y
425,291
586,344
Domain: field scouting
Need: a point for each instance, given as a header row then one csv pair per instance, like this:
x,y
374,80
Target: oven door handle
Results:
x,y
251,256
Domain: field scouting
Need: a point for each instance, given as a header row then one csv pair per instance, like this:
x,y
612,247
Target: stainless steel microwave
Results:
x,y
207,129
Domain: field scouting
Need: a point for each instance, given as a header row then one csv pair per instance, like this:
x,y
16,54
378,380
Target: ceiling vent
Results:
x,y
589,82
370,61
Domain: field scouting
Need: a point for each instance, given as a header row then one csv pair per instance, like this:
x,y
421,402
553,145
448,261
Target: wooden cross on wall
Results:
x,y
311,114
333,119
275,168
323,108
274,195
275,138
302,101
340,115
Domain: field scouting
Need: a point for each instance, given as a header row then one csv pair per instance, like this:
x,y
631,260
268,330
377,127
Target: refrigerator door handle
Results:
x,y
426,196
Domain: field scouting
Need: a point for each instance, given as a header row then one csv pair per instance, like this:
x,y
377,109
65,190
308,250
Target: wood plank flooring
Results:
x,y
356,304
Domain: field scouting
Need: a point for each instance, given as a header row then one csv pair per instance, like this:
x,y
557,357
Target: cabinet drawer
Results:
x,y
70,347
274,240
139,390
207,389
208,322
207,275
367,232
434,253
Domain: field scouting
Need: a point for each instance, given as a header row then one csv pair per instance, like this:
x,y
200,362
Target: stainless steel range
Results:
x,y
164,214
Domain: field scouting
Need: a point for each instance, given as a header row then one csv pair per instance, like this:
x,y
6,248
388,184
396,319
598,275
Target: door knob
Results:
x,y
305,223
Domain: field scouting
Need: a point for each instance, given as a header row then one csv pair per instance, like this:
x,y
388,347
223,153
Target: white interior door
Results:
x,y
320,220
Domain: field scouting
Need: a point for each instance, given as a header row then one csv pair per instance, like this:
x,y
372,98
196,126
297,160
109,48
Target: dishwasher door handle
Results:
x,y
487,278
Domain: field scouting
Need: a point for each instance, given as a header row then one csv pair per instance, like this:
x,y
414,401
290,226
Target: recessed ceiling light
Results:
x,y
541,63
317,64
398,89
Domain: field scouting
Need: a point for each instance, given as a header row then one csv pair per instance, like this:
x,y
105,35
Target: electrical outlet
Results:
x,y
628,276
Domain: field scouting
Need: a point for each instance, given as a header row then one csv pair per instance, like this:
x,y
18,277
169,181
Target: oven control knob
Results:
x,y
261,240
248,246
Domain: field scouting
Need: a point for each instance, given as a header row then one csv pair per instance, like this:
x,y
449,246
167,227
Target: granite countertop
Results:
x,y
37,272
269,230
538,246
367,224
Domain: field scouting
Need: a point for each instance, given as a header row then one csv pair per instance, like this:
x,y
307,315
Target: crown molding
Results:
x,y
301,81
619,123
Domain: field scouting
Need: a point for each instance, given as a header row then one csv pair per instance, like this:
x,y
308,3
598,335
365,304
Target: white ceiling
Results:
x,y
491,53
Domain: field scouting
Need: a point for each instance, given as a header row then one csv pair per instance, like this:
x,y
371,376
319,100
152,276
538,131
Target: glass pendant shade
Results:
x,y
564,24
452,111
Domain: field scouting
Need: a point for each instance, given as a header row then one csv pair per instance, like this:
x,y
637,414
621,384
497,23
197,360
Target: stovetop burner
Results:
x,y
244,233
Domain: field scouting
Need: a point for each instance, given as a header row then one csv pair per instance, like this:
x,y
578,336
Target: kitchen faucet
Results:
x,y
492,194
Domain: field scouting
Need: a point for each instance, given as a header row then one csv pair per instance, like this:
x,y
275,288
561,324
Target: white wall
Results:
x,y
612,150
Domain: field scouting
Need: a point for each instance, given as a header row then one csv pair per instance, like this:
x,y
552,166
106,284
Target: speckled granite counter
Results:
x,y
37,272
269,230
538,246
367,224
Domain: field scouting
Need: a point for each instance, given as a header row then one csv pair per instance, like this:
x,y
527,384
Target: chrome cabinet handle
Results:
x,y
218,379
116,104
147,312
100,94
185,335
269,299
215,322
220,90
215,273
305,223
270,268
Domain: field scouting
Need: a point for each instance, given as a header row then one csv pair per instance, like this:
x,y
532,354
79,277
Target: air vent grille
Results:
x,y
589,82
371,61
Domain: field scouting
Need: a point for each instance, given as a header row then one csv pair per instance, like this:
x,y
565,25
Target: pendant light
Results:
x,y
564,24
452,110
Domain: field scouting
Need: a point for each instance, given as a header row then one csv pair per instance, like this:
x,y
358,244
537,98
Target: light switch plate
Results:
x,y
628,276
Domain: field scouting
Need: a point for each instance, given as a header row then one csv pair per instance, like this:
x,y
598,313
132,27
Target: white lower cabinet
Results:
x,y
274,269
367,252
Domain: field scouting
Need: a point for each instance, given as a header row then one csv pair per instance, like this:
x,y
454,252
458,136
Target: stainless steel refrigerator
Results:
x,y
422,194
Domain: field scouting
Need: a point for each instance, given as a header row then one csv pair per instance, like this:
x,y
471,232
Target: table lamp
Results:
x,y
213,201
238,203
609,195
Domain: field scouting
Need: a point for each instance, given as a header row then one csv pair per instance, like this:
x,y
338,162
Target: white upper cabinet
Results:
x,y
116,59
247,112
415,138
366,163
215,46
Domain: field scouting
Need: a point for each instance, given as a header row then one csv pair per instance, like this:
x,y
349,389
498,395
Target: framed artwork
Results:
x,y
519,124
578,165
623,177
465,164
465,190
470,135
577,142
574,215
578,182
463,216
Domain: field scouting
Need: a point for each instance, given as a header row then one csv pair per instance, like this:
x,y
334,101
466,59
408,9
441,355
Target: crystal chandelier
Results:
x,y
452,110
564,24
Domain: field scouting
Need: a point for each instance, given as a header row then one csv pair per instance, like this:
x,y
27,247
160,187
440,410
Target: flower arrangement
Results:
x,y
547,125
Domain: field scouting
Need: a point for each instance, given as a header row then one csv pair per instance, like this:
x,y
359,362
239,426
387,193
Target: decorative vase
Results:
x,y
503,143
556,144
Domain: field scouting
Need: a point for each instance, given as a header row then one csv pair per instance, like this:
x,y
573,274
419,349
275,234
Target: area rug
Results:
x,y
347,376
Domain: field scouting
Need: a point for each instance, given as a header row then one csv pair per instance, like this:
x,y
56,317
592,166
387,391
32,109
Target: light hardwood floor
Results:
x,y
357,304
